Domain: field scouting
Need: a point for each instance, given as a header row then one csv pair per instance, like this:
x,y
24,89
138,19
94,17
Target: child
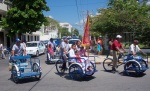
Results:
x,y
82,52
84,61
50,51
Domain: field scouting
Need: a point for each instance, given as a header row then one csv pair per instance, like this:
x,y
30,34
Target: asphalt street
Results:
x,y
51,81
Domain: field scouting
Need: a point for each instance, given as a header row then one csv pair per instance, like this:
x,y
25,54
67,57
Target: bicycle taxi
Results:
x,y
133,66
25,67
75,69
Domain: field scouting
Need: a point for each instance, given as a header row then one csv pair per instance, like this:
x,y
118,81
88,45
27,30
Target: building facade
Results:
x,y
4,6
66,25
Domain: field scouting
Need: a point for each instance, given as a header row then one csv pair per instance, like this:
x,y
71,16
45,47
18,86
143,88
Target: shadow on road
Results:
x,y
137,76
84,78
26,80
122,73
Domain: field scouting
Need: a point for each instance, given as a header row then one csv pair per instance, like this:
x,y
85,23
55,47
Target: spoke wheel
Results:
x,y
108,64
36,69
132,69
59,67
76,72
14,75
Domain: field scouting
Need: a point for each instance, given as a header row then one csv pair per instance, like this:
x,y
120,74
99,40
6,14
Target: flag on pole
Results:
x,y
86,36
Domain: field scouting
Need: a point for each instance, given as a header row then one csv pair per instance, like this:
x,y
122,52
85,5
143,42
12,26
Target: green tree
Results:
x,y
64,32
76,32
25,16
124,16
50,21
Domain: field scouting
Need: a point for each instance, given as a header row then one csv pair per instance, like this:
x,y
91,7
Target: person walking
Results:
x,y
110,42
117,48
2,51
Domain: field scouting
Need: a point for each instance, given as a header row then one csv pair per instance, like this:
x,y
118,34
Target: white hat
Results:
x,y
118,36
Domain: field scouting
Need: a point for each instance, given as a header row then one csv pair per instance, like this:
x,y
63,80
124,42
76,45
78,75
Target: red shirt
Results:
x,y
100,41
115,44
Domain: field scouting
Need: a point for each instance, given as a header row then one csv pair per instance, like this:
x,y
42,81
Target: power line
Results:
x,y
77,10
79,4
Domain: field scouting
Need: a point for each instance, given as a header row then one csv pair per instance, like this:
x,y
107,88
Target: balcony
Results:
x,y
3,8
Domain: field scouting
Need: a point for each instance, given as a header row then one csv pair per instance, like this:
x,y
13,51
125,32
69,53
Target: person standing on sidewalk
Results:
x,y
117,48
99,45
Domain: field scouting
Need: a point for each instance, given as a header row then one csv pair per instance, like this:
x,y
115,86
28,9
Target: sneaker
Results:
x,y
113,70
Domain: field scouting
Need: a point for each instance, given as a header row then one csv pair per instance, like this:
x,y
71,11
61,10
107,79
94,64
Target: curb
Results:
x,y
98,62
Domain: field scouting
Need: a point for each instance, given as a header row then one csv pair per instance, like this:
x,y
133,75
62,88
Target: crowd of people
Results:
x,y
78,51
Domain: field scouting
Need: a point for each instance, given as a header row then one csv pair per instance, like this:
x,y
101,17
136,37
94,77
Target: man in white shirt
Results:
x,y
2,51
18,49
52,44
64,48
134,48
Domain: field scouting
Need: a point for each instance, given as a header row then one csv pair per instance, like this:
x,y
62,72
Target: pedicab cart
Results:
x,y
25,67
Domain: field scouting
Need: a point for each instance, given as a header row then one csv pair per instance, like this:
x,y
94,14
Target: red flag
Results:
x,y
86,36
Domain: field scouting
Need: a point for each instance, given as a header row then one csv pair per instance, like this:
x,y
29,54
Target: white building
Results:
x,y
66,25
3,9
47,32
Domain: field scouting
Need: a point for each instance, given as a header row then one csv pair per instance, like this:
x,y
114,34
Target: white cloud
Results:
x,y
81,22
50,16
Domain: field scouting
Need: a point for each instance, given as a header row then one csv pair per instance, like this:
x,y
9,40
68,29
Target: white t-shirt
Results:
x,y
72,53
18,50
1,46
134,48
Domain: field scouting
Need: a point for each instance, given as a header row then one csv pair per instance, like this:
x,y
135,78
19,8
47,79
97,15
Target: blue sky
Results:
x,y
73,11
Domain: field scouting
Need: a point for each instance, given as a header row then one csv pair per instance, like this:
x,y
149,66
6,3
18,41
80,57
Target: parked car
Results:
x,y
57,41
45,42
35,48
72,41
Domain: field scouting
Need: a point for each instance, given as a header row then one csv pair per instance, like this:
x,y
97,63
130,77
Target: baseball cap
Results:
x,y
100,36
17,40
118,36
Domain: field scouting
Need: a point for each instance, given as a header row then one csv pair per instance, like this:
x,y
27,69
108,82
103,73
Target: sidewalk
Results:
x,y
100,58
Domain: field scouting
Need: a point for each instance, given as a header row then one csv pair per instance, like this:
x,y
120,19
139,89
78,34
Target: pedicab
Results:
x,y
25,67
133,66
75,69
52,58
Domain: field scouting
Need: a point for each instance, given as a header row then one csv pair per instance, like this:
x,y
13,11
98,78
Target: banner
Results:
x,y
86,36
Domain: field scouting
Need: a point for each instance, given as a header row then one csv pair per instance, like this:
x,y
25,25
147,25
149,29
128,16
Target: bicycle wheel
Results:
x,y
107,64
14,75
132,69
59,67
36,68
76,72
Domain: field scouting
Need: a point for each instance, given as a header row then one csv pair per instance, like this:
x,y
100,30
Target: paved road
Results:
x,y
51,81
